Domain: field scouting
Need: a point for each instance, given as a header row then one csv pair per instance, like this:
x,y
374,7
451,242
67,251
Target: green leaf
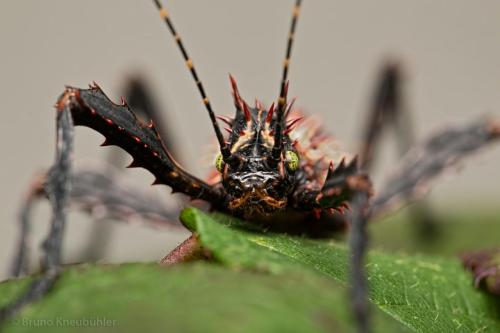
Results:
x,y
425,294
186,298
458,230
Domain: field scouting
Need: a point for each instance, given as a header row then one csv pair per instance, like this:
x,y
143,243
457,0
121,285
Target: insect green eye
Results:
x,y
219,162
292,160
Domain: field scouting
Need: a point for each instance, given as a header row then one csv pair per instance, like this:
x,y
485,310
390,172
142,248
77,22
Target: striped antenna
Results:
x,y
278,131
226,153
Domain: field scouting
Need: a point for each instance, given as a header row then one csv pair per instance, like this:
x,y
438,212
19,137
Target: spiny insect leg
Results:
x,y
141,102
91,108
58,189
424,163
341,184
138,97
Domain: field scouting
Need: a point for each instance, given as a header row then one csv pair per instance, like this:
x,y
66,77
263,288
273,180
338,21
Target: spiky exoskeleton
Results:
x,y
269,167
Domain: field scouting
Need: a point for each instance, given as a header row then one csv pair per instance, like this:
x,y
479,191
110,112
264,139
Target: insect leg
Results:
x,y
140,100
386,110
341,184
425,162
104,193
57,188
358,244
20,264
138,96
389,110
120,126
344,185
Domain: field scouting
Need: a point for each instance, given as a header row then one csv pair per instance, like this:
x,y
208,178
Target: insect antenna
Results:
x,y
278,131
189,63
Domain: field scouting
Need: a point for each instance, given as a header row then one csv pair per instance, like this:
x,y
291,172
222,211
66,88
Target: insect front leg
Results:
x,y
120,126
341,184
138,95
98,189
141,102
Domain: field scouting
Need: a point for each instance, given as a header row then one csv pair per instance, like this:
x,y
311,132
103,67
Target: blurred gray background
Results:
x,y
450,51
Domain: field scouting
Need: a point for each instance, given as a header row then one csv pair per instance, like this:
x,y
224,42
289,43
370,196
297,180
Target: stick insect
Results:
x,y
273,165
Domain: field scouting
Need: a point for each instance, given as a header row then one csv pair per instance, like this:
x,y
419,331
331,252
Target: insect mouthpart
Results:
x,y
255,194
